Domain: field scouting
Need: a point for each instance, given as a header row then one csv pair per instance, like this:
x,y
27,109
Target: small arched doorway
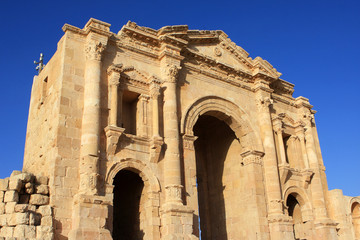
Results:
x,y
128,208
355,215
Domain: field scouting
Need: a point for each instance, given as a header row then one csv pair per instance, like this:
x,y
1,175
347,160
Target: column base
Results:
x,y
177,222
89,218
281,227
325,229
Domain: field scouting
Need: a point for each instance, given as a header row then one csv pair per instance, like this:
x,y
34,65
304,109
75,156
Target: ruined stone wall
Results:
x,y
25,212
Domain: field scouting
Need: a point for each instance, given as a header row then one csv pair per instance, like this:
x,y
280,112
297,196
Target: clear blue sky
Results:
x,y
315,44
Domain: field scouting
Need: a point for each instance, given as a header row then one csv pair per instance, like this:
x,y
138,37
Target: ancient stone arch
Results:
x,y
151,186
302,198
224,110
355,215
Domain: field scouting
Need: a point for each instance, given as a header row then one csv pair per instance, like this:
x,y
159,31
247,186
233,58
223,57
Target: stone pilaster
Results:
x,y
279,224
324,226
253,162
143,115
86,223
90,135
278,128
172,166
157,140
300,132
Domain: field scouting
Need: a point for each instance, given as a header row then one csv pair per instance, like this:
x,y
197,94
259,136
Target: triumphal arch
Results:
x,y
169,134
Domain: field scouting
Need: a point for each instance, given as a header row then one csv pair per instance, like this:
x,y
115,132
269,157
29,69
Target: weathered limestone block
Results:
x,y
21,208
4,183
42,189
2,208
47,221
25,177
10,207
38,199
18,219
15,184
24,232
3,220
42,180
44,210
44,232
11,196
29,188
15,172
7,232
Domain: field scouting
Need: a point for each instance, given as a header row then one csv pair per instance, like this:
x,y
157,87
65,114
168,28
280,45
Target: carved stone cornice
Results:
x,y
94,50
155,148
283,88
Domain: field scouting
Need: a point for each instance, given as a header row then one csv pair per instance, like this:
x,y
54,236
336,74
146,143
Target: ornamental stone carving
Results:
x,y
94,50
173,73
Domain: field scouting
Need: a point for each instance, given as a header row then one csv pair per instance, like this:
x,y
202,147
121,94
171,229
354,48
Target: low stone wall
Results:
x,y
25,212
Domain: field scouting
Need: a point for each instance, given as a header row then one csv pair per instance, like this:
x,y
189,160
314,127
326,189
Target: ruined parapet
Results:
x,y
25,212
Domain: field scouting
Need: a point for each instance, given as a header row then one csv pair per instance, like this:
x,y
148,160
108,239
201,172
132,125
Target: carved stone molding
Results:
x,y
113,134
155,148
188,141
94,50
173,193
252,157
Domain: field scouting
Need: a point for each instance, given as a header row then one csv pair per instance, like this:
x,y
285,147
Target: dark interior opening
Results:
x,y
211,147
126,216
129,111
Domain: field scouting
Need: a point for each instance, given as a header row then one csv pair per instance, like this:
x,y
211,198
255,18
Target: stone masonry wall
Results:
x,y
25,212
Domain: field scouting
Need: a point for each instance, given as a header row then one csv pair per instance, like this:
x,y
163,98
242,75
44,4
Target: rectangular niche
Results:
x,y
129,110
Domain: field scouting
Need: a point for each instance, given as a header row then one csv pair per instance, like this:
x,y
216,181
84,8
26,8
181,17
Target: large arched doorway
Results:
x,y
128,208
217,149
355,215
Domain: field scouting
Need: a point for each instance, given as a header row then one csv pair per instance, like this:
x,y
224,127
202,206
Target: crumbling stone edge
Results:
x,y
25,212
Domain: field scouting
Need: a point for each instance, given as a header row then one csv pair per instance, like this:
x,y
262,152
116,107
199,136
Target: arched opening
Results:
x,y
294,210
217,148
355,215
128,208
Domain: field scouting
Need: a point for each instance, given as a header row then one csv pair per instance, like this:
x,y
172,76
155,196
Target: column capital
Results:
x,y
264,103
144,97
172,73
94,50
154,87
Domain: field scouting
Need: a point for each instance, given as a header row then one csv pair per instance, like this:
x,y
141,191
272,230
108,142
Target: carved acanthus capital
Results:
x,y
173,73
94,50
264,103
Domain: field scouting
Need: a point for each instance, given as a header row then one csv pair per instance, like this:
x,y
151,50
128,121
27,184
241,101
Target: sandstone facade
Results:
x,y
169,134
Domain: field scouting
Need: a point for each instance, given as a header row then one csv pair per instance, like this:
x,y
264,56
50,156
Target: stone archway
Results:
x,y
299,208
355,217
227,159
138,173
226,111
